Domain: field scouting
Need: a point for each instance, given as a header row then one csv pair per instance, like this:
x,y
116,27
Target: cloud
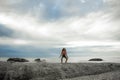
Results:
x,y
38,25
62,31
27,51
52,10
83,1
112,11
5,32
7,5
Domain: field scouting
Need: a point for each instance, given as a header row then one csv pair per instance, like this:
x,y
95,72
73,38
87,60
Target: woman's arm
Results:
x,y
60,54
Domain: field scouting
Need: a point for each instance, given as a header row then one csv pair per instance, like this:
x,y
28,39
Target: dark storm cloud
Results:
x,y
5,32
26,51
30,51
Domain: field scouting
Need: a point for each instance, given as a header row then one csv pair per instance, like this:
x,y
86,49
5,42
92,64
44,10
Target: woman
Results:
x,y
64,55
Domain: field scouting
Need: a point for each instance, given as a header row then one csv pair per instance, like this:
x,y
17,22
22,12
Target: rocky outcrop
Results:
x,y
56,71
17,60
96,59
37,60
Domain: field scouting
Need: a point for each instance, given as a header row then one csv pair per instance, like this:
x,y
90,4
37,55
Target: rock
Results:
x,y
43,60
17,60
37,60
96,59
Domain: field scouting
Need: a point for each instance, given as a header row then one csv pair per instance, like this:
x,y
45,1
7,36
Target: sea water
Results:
x,y
114,59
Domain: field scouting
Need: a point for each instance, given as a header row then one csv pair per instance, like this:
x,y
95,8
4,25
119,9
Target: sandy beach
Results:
x,y
57,71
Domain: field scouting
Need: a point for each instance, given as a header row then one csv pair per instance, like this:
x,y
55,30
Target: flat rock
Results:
x,y
96,59
17,60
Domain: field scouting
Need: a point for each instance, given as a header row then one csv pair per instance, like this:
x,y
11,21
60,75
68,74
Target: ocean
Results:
x,y
115,59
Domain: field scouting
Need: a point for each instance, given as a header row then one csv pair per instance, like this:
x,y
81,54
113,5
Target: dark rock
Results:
x,y
17,60
38,60
96,59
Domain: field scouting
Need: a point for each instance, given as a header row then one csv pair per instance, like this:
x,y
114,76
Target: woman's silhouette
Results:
x,y
64,55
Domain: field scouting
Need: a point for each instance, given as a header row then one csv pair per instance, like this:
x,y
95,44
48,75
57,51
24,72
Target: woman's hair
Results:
x,y
63,49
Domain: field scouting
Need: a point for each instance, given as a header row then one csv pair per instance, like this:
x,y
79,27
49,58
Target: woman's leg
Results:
x,y
61,59
66,59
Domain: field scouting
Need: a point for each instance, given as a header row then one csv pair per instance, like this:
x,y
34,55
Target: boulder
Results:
x,y
17,60
38,60
96,59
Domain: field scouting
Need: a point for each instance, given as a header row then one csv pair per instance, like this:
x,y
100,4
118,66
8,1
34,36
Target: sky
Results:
x,y
41,28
